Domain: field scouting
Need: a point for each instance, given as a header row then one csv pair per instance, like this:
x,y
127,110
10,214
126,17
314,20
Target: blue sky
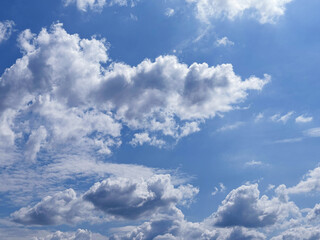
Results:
x,y
168,119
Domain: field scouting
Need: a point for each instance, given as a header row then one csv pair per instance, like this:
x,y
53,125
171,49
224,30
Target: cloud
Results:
x,y
230,127
312,132
289,140
81,234
264,11
306,233
142,138
254,163
169,12
67,87
131,199
174,227
283,118
310,183
244,207
303,119
224,42
97,5
6,28
217,190
116,197
63,207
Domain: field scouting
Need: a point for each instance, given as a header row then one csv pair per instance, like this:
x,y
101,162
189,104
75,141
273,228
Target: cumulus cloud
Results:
x,y
174,227
244,207
309,183
62,87
142,138
6,28
117,197
63,207
264,11
132,199
81,234
297,233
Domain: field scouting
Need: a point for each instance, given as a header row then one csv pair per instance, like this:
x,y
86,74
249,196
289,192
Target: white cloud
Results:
x,y
133,199
310,183
281,118
297,233
117,197
224,42
142,138
265,11
63,207
97,5
254,163
244,207
6,28
82,105
217,190
80,234
258,117
169,12
230,127
34,143
303,119
289,140
312,132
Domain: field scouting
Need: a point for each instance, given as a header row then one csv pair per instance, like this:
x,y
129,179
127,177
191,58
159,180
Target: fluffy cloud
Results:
x,y
244,207
132,199
81,234
310,183
6,30
117,197
175,227
62,88
298,233
63,207
265,11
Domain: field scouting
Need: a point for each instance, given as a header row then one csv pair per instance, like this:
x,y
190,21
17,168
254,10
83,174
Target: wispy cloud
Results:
x,y
303,119
282,118
230,127
224,42
313,132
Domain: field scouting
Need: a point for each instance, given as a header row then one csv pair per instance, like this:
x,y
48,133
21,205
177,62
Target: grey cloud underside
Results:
x,y
61,89
117,197
244,214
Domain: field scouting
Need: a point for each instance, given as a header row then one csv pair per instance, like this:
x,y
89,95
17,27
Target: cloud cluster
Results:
x,y
265,11
6,28
243,214
65,93
118,198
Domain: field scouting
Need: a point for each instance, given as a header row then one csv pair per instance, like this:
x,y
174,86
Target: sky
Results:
x,y
167,119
